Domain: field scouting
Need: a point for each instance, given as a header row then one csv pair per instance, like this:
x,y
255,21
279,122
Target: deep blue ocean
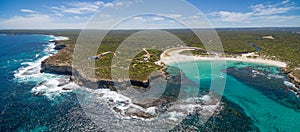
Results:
x,y
254,96
21,109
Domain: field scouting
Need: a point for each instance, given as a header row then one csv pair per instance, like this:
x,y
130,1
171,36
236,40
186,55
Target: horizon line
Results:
x,y
146,28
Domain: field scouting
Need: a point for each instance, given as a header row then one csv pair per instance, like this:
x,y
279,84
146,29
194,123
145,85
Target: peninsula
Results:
x,y
276,48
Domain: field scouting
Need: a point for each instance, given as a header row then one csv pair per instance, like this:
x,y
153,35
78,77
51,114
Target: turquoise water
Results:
x,y
261,99
267,113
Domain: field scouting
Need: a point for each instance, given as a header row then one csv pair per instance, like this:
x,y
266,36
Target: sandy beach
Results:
x,y
173,55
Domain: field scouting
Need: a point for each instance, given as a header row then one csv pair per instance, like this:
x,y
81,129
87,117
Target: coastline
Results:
x,y
173,55
50,50
132,108
54,64
143,113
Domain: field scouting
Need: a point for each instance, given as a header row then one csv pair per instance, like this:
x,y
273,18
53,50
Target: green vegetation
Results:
x,y
139,68
195,52
285,47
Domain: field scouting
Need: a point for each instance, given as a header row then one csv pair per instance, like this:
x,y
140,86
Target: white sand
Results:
x,y
172,55
268,37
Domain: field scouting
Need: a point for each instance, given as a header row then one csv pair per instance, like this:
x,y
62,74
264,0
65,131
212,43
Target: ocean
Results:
x,y
254,99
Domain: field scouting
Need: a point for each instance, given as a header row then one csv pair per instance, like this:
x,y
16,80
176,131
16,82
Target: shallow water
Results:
x,y
27,107
267,113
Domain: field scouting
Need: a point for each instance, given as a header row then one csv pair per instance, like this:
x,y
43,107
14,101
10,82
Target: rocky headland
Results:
x,y
61,63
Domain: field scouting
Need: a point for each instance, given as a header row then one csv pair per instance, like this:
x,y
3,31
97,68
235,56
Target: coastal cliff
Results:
x,y
61,63
294,77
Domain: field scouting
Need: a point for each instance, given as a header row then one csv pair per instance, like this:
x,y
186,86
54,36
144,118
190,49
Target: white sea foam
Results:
x,y
49,85
33,67
175,113
59,37
30,69
54,87
289,84
276,76
257,72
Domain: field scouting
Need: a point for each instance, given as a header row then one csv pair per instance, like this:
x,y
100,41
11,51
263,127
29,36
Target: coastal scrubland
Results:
x,y
285,46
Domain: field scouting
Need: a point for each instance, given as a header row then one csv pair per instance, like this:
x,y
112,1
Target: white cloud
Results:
x,y
138,18
86,7
194,17
66,15
26,21
157,18
77,14
40,21
258,13
285,1
261,9
109,5
119,4
232,16
77,8
28,11
173,15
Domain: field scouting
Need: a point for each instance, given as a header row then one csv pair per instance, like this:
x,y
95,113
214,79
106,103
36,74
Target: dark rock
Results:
x,y
41,83
66,88
285,70
140,83
52,68
38,93
295,80
116,109
59,46
51,41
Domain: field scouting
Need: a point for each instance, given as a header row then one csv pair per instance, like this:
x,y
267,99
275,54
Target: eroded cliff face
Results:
x,y
61,63
294,77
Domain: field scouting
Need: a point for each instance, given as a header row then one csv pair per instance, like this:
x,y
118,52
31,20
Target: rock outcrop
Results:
x,y
294,77
61,63
59,46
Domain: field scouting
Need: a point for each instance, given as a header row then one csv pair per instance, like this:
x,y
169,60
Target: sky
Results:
x,y
147,14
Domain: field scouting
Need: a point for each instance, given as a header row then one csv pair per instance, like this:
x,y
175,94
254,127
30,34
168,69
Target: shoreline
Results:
x,y
144,111
173,55
50,51
139,112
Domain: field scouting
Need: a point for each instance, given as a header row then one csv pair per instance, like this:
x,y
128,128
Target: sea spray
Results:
x,y
47,84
